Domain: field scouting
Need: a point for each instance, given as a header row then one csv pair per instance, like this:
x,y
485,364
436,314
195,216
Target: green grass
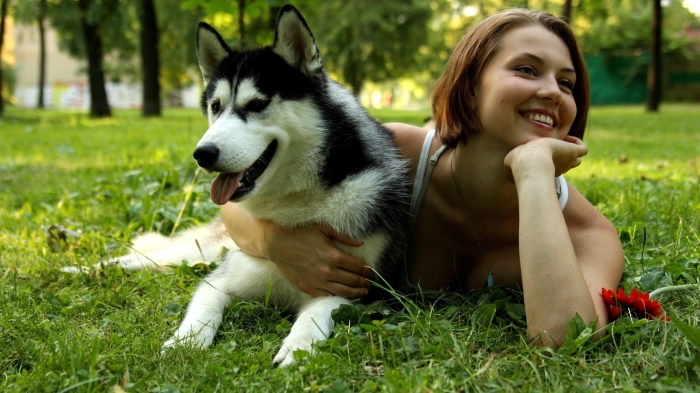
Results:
x,y
112,179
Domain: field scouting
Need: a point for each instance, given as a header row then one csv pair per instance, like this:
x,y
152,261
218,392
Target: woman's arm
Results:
x,y
306,256
564,261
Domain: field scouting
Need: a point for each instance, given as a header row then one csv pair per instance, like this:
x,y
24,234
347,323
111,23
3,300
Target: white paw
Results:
x,y
75,269
285,356
201,339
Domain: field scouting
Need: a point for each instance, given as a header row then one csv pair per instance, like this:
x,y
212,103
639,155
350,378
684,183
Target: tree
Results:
x,y
40,20
4,5
99,106
375,41
150,63
566,10
91,30
654,74
30,12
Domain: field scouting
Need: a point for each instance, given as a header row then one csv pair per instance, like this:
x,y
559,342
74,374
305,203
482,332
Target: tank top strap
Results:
x,y
423,173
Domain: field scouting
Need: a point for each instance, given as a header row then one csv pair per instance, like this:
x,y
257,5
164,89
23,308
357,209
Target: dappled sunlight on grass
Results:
x,y
652,169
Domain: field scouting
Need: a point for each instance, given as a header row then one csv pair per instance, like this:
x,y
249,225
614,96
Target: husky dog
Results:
x,y
293,147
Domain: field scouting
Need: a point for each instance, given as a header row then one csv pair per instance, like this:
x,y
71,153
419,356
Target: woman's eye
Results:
x,y
567,84
526,70
215,107
257,105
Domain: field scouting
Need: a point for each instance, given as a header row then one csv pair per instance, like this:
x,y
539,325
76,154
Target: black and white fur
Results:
x,y
332,164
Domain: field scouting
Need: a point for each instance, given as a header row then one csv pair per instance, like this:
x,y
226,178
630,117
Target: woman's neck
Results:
x,y
479,178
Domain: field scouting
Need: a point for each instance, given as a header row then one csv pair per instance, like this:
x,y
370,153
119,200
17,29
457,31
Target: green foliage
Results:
x,y
360,41
624,27
359,46
114,178
118,25
28,11
178,57
374,41
691,333
259,18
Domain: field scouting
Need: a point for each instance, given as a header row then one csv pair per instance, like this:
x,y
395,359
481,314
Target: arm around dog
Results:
x,y
306,256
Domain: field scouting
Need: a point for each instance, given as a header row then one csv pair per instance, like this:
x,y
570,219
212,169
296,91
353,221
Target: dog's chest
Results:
x,y
347,207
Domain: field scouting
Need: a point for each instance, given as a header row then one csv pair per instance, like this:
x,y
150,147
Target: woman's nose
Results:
x,y
550,89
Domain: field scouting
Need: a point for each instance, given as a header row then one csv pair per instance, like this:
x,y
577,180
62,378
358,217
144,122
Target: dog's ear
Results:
x,y
211,49
295,43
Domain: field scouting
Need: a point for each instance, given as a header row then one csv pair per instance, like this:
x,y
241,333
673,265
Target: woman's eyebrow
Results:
x,y
540,61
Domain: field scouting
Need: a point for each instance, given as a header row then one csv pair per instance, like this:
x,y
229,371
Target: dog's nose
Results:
x,y
206,155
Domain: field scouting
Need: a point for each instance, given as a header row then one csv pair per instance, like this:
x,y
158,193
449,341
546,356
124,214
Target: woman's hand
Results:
x,y
306,256
546,154
310,260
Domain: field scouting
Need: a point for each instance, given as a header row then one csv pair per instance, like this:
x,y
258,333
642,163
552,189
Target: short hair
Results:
x,y
454,109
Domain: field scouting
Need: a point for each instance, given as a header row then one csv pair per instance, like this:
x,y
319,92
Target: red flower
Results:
x,y
637,304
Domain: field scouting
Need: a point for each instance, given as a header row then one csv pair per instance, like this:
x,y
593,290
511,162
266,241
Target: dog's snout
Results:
x,y
206,155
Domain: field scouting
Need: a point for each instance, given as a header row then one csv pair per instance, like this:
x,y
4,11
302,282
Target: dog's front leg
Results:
x,y
239,275
204,314
314,323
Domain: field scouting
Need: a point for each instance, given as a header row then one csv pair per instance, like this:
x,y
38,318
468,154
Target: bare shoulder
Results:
x,y
580,215
595,240
409,139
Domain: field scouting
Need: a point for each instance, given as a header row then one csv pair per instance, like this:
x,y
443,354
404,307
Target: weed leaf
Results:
x,y
483,315
691,333
655,278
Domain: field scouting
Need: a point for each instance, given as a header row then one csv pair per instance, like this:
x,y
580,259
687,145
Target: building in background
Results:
x,y
66,82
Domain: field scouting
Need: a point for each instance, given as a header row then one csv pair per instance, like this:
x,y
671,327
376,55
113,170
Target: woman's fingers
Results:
x,y
353,265
343,291
578,142
341,237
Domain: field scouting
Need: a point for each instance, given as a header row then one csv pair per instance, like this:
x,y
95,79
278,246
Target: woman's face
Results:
x,y
525,90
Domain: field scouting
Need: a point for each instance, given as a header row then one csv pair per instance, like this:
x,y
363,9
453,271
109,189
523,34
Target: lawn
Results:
x,y
112,179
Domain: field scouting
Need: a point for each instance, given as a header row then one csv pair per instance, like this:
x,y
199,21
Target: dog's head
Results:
x,y
255,103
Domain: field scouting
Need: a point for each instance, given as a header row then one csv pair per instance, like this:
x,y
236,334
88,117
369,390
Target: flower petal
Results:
x,y
609,297
615,312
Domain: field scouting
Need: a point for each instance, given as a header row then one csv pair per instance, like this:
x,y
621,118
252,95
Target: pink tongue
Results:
x,y
223,187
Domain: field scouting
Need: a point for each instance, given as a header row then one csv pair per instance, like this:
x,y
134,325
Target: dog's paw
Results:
x,y
285,356
199,340
75,269
176,342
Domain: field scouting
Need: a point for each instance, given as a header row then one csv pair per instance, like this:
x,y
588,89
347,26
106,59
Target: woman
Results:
x,y
490,206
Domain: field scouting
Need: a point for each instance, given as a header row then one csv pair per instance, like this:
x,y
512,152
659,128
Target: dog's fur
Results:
x,y
330,163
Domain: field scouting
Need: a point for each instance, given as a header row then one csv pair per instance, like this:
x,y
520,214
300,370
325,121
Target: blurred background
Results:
x,y
102,54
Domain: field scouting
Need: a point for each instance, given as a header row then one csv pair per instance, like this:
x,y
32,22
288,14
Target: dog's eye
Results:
x,y
257,105
215,107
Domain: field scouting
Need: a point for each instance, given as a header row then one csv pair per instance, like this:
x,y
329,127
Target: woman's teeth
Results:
x,y
540,118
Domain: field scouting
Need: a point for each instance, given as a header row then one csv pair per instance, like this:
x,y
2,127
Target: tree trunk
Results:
x,y
149,60
566,11
241,24
3,13
99,106
42,54
355,74
654,74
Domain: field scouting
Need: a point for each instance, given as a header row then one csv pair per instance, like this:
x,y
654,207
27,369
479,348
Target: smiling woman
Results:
x,y
530,79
